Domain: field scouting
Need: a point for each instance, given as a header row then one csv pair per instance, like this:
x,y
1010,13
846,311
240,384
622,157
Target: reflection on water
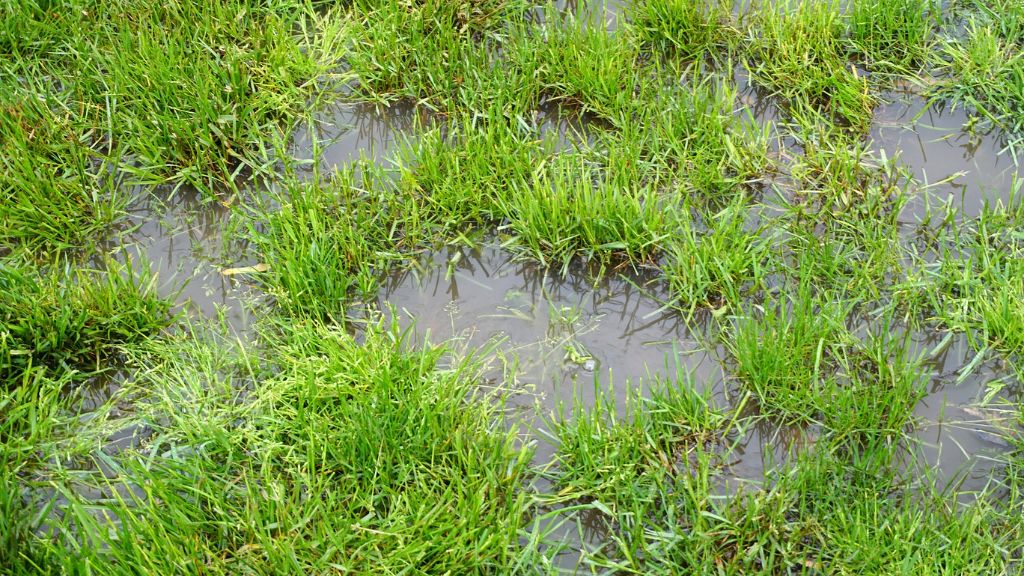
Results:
x,y
343,133
182,238
572,338
938,147
549,327
566,333
569,338
559,340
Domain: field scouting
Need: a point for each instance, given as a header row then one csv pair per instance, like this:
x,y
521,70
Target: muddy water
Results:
x,y
342,134
956,438
609,14
943,153
570,338
181,235
565,339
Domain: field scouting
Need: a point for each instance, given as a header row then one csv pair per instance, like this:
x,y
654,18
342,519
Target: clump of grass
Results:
x,y
784,352
56,192
571,210
804,365
330,241
689,28
717,265
986,73
217,77
891,35
980,288
855,516
74,320
611,457
641,471
210,91
33,416
18,552
878,387
373,456
466,17
837,173
696,142
23,29
1001,310
1007,16
457,181
844,211
441,54
581,65
797,52
819,513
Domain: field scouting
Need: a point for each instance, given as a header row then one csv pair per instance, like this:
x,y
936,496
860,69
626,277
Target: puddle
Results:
x,y
182,238
569,129
565,337
607,14
957,438
345,133
939,147
542,321
754,99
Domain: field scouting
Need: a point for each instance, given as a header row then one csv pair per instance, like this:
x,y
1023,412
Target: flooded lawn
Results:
x,y
651,287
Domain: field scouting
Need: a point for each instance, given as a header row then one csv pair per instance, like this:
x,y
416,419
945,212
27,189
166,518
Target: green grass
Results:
x,y
649,475
645,466
844,206
696,142
373,457
1006,15
986,73
188,103
74,320
607,455
571,210
784,352
717,265
797,52
436,53
979,290
328,242
459,181
688,28
57,191
892,35
582,65
16,554
324,438
60,329
34,409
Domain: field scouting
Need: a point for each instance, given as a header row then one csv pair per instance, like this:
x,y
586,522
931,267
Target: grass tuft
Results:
x,y
373,456
718,265
892,35
74,319
797,52
689,28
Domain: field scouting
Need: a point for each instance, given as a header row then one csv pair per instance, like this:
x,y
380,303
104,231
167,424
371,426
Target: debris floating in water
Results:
x,y
254,269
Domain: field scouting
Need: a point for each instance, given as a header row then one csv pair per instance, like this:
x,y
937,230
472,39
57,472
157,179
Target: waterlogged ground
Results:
x,y
423,287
